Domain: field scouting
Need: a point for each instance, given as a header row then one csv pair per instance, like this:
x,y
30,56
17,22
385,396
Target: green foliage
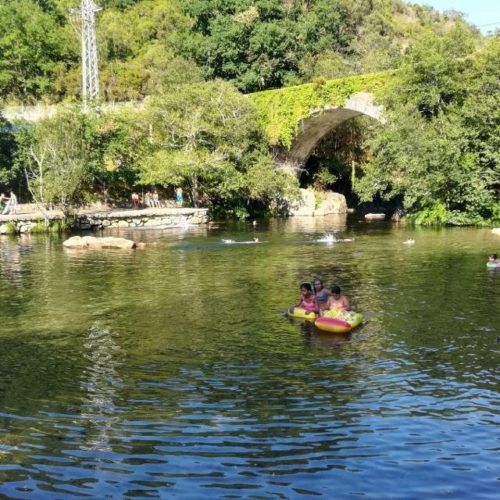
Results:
x,y
11,227
324,178
436,214
116,144
205,137
280,111
8,173
265,44
35,46
140,47
241,213
55,226
39,228
439,150
255,44
61,225
318,199
54,154
433,72
340,151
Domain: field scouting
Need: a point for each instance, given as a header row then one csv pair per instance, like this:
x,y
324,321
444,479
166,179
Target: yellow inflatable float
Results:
x,y
335,321
300,313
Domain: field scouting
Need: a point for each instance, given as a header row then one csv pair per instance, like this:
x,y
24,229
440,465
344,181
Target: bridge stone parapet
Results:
x,y
41,111
29,113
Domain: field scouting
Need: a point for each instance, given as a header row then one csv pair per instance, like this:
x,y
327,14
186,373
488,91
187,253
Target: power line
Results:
x,y
489,24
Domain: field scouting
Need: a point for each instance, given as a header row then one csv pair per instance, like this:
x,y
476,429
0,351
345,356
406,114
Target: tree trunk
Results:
x,y
194,190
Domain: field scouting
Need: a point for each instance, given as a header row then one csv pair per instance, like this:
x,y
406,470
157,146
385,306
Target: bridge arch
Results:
x,y
319,124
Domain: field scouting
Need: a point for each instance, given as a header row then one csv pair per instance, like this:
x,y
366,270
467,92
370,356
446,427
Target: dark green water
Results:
x,y
170,372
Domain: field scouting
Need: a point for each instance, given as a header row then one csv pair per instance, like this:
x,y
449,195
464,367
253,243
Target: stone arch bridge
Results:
x,y
297,118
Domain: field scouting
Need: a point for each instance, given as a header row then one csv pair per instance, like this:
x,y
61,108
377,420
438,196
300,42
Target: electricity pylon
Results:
x,y
90,70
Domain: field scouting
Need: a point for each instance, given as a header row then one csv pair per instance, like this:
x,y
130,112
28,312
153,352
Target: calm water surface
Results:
x,y
170,371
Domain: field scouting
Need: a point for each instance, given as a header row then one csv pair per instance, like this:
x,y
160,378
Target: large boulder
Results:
x,y
94,243
306,205
319,203
332,203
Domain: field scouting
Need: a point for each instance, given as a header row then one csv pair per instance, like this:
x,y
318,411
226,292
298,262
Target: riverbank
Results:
x,y
29,219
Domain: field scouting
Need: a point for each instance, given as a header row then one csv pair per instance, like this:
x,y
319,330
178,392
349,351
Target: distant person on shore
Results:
x,y
3,201
135,200
155,199
338,300
179,198
105,196
10,208
148,199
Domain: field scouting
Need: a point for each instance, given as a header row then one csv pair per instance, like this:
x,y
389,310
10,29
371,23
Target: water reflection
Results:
x,y
100,382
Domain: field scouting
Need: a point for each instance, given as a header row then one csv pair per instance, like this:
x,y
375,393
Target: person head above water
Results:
x,y
336,290
306,286
493,256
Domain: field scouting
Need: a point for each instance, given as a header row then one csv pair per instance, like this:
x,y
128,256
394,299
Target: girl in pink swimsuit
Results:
x,y
307,300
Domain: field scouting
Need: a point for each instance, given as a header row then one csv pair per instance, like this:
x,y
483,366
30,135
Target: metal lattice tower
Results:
x,y
90,70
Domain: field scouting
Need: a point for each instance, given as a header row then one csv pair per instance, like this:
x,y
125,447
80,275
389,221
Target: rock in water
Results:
x,y
94,243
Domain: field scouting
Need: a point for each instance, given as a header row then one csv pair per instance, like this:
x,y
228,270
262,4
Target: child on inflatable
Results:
x,y
321,293
307,300
338,300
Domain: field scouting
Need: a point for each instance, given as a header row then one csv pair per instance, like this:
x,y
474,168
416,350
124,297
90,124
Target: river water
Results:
x,y
170,371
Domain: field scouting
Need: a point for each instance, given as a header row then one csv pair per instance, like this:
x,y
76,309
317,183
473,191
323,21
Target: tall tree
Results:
x,y
54,155
34,49
439,148
205,137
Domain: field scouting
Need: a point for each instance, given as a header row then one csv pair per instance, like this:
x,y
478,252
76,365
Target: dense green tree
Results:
x,y
54,155
34,49
138,62
73,157
205,137
269,43
439,150
8,173
256,44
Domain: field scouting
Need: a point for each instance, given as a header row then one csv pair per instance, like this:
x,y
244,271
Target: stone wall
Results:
x,y
162,218
150,217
